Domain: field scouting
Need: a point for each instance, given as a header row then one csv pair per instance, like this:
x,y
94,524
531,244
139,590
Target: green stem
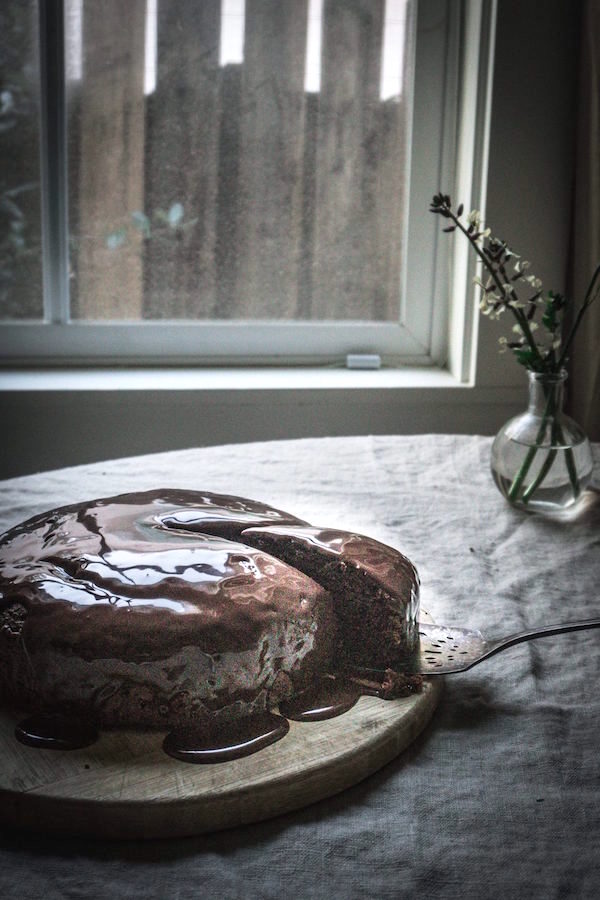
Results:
x,y
573,476
522,320
547,465
589,298
517,482
519,315
570,461
558,438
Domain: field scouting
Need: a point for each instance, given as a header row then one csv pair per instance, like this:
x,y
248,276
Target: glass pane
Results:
x,y
20,205
237,159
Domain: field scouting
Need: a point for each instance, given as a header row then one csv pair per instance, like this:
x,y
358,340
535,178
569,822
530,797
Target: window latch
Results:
x,y
363,361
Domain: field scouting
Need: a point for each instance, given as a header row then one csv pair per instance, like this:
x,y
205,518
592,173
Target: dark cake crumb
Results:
x,y
397,684
390,686
12,620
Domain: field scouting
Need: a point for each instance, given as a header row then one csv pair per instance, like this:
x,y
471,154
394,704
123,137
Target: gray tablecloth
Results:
x,y
499,797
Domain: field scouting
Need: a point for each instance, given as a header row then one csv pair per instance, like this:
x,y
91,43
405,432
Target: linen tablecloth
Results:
x,y
500,795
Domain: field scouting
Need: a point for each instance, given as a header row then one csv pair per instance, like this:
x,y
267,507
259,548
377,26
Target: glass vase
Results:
x,y
541,460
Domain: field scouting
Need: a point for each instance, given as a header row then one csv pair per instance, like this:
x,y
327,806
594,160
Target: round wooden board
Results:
x,y
125,786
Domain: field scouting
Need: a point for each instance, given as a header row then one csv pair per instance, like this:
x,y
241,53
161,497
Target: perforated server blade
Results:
x,y
444,649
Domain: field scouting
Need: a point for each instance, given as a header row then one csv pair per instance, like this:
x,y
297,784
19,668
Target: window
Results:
x,y
21,294
231,180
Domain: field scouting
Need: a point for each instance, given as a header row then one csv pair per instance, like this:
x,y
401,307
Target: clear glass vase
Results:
x,y
541,460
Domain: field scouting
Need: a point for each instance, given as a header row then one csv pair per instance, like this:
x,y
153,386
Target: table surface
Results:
x,y
500,796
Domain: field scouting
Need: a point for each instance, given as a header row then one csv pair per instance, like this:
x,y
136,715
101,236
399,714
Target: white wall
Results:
x,y
529,192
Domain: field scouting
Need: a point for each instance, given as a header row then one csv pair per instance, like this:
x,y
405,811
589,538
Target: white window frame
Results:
x,y
436,326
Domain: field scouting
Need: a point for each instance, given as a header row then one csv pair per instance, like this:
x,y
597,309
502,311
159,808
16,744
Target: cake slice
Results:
x,y
375,588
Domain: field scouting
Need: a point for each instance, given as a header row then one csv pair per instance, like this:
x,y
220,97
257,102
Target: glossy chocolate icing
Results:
x,y
327,697
351,567
243,737
163,609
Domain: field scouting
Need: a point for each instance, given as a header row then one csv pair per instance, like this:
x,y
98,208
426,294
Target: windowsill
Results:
x,y
63,417
222,379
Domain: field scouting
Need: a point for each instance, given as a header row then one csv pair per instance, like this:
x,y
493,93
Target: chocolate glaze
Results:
x,y
326,698
194,612
55,732
244,737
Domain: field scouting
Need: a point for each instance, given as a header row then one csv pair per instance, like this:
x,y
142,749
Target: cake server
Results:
x,y
444,650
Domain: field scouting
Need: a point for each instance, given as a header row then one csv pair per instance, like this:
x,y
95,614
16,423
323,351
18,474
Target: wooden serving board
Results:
x,y
125,786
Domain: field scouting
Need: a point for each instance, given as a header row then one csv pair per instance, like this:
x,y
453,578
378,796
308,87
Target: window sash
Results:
x,y
420,336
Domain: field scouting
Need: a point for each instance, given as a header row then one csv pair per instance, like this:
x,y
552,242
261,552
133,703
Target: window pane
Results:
x,y
237,159
20,217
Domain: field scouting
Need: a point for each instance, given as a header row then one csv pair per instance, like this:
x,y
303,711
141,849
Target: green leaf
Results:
x,y
141,222
525,357
549,317
116,238
175,215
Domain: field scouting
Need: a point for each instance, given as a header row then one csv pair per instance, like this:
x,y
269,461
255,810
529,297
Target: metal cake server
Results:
x,y
444,649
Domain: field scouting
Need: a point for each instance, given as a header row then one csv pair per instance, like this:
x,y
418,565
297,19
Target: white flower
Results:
x,y
474,218
556,344
533,326
534,282
487,289
517,329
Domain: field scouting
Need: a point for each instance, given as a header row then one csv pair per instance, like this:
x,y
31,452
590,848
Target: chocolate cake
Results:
x,y
374,588
195,613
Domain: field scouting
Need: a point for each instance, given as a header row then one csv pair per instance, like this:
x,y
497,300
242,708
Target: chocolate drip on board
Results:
x,y
55,732
327,698
246,736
